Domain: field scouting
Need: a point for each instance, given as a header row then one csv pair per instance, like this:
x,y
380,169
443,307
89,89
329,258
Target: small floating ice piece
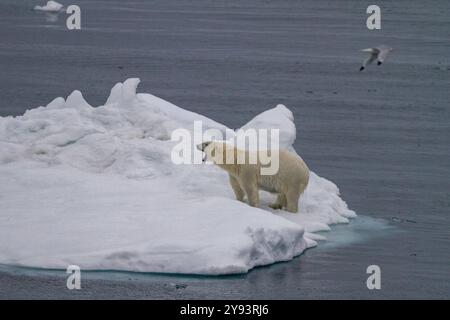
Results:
x,y
51,6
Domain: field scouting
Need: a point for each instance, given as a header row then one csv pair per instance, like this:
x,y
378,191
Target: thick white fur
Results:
x,y
289,182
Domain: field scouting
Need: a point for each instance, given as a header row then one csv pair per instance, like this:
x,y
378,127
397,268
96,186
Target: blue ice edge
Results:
x,y
359,230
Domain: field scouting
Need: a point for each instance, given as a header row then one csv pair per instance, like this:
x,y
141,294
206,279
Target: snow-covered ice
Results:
x,y
50,6
96,187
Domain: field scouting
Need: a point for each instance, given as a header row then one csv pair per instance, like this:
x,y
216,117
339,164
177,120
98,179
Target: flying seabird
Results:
x,y
378,53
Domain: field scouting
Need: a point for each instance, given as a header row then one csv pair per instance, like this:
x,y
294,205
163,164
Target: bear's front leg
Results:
x,y
251,189
236,188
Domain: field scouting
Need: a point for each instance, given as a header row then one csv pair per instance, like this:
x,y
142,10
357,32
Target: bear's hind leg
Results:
x,y
279,203
292,201
237,188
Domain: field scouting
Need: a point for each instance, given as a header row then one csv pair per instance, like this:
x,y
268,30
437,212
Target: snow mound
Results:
x,y
280,118
50,6
96,187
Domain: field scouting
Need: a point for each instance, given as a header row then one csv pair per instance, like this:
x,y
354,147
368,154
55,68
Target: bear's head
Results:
x,y
218,152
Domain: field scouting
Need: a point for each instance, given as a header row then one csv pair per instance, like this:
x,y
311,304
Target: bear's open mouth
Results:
x,y
201,147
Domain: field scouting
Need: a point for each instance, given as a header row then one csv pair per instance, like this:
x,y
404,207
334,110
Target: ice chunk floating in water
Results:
x,y
96,187
51,6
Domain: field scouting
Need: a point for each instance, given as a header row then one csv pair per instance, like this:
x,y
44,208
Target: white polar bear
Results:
x,y
288,182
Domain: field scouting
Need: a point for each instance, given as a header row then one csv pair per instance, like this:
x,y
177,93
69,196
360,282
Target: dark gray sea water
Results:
x,y
382,135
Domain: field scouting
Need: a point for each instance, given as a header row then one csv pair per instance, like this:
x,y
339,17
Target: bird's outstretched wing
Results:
x,y
383,53
376,50
373,55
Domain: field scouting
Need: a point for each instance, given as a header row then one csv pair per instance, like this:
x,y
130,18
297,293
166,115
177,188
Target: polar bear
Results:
x,y
288,182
